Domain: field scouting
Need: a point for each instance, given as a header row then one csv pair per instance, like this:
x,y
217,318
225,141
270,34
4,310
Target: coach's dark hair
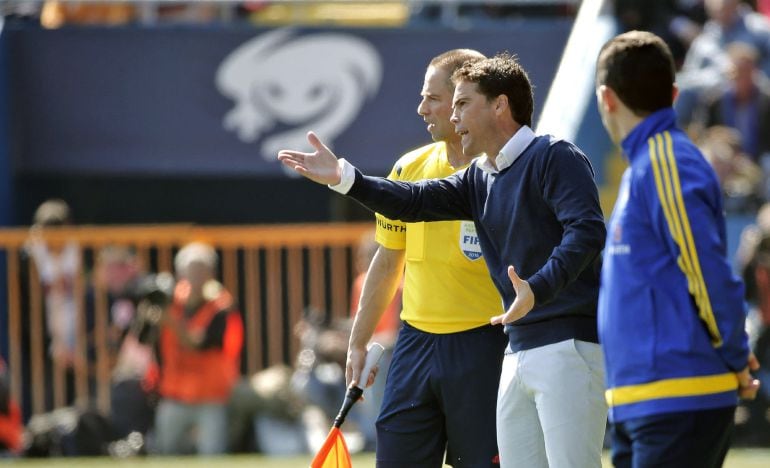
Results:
x,y
453,59
501,74
639,67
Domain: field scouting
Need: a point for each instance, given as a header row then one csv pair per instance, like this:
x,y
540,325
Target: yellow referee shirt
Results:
x,y
447,287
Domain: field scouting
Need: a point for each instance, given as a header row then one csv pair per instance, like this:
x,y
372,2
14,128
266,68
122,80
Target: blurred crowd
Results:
x,y
57,13
176,380
722,49
176,384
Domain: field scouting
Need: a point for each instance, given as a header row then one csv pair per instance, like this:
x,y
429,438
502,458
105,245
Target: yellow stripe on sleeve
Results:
x,y
702,298
669,190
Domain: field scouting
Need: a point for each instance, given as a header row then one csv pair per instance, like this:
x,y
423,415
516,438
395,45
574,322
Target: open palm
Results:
x,y
319,166
524,302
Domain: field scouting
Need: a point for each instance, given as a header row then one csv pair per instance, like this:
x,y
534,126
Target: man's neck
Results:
x,y
499,140
626,123
455,155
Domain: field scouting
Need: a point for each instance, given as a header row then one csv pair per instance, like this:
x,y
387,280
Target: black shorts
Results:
x,y
440,395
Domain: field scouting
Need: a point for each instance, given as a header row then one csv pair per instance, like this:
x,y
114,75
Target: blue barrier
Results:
x,y
220,101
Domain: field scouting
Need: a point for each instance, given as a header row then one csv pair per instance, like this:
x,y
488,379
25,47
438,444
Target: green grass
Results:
x,y
737,458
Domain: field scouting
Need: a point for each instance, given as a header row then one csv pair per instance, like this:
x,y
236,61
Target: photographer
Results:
x,y
199,347
134,378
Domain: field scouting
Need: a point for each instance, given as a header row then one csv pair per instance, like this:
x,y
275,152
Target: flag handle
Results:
x,y
373,355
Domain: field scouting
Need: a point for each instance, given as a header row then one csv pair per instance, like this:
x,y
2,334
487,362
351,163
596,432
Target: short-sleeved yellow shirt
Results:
x,y
447,287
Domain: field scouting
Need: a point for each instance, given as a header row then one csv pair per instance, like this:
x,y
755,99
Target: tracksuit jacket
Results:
x,y
671,312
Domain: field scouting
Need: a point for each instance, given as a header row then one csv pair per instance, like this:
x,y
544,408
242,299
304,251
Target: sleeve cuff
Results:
x,y
540,289
348,177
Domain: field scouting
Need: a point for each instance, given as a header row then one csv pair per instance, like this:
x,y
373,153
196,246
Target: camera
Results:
x,y
154,294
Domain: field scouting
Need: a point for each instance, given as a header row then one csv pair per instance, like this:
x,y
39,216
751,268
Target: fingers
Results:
x,y
294,160
497,319
749,391
292,155
513,276
753,362
372,376
354,366
316,142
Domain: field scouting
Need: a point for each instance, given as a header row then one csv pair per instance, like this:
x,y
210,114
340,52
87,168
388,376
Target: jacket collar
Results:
x,y
658,121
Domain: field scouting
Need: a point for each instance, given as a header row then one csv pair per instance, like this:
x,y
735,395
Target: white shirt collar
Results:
x,y
508,154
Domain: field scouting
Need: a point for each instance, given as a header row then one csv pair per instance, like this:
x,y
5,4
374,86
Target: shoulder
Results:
x,y
414,160
558,150
558,145
676,160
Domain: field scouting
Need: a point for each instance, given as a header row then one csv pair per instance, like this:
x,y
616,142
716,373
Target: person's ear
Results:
x,y
501,104
674,92
608,100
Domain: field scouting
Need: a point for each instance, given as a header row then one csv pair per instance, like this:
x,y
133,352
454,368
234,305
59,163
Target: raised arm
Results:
x,y
429,200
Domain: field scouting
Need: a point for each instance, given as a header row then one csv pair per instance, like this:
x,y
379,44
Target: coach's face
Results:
x,y
473,118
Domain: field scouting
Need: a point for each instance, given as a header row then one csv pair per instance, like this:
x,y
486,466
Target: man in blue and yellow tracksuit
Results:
x,y
671,313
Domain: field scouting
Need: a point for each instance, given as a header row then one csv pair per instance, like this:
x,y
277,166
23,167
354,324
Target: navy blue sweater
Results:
x,y
541,215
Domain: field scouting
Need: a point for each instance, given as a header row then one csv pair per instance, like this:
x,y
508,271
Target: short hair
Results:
x,y
453,59
114,253
501,74
639,67
195,252
53,212
740,50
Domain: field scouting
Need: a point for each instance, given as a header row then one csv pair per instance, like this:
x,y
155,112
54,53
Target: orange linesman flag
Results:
x,y
334,452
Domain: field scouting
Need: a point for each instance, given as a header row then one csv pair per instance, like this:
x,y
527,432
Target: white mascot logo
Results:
x,y
316,82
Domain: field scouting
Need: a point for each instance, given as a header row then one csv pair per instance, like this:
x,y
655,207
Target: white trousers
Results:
x,y
551,410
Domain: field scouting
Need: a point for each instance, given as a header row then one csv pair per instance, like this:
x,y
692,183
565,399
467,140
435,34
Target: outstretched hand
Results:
x,y
524,302
319,166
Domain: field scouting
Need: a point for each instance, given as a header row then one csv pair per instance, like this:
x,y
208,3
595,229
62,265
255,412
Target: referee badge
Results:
x,y
469,240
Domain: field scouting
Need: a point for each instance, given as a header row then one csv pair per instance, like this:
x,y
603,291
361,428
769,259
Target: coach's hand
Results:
x,y
524,302
320,166
747,384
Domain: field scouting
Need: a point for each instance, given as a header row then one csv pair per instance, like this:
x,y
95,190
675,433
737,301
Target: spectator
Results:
x,y
706,64
743,104
119,272
678,22
753,258
58,265
199,349
729,21
291,409
56,13
740,178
